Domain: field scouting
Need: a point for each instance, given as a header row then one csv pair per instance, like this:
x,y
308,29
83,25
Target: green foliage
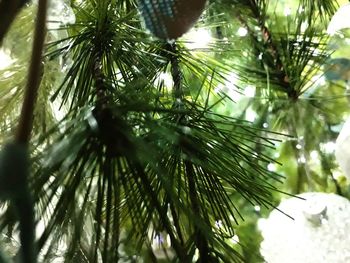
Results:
x,y
120,158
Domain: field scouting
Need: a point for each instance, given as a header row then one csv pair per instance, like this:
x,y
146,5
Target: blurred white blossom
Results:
x,y
319,233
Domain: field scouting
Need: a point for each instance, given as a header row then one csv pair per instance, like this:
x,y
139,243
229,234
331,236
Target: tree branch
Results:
x,y
200,240
272,49
23,200
33,82
175,70
8,11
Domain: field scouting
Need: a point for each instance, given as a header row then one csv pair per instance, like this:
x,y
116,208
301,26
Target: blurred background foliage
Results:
x,y
254,98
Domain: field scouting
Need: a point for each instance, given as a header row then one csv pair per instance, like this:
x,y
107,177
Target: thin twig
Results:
x,y
8,11
23,202
35,69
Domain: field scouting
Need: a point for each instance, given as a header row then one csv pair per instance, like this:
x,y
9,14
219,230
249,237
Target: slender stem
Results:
x,y
175,70
23,202
8,12
35,70
25,211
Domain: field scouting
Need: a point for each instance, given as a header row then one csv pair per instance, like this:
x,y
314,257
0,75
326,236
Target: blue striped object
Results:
x,y
170,19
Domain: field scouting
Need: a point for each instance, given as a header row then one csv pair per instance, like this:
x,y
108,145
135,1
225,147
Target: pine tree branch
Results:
x,y
201,241
176,75
325,8
270,47
100,79
105,118
180,251
175,70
